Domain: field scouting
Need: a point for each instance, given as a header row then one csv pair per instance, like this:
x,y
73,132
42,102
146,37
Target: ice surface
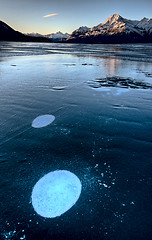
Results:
x,y
94,126
56,193
43,121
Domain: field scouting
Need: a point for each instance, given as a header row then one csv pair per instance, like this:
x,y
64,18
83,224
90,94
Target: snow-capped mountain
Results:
x,y
34,34
116,29
58,36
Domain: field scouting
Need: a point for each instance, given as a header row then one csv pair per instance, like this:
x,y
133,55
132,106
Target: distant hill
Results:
x,y
9,34
115,29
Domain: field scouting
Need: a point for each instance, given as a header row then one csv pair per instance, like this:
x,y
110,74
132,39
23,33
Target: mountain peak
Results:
x,y
113,18
115,15
82,29
144,19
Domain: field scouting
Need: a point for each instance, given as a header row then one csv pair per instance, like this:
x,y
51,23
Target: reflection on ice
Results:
x,y
43,121
119,91
115,91
55,193
103,89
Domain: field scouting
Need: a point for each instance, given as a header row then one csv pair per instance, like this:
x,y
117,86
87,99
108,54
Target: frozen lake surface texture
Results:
x,y
85,110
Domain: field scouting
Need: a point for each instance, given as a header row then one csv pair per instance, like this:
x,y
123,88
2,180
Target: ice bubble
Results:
x,y
55,193
43,121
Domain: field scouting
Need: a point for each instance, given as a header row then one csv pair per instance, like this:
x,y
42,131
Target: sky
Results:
x,y
48,16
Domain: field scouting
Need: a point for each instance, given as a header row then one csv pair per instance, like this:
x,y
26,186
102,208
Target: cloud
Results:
x,y
51,15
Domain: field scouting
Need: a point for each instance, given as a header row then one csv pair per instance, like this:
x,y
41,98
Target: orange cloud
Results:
x,y
51,15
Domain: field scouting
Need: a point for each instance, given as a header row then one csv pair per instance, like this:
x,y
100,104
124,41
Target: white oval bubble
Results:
x,y
43,121
56,193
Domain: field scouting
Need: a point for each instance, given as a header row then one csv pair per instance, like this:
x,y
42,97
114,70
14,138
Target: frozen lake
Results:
x,y
100,97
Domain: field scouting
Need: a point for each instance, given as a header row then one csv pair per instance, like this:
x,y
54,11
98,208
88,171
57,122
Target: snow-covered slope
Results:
x,y
115,29
145,24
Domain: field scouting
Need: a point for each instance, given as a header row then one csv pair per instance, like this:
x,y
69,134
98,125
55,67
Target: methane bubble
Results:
x,y
55,193
43,121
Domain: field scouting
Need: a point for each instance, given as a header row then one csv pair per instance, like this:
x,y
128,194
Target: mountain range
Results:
x,y
115,29
58,36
